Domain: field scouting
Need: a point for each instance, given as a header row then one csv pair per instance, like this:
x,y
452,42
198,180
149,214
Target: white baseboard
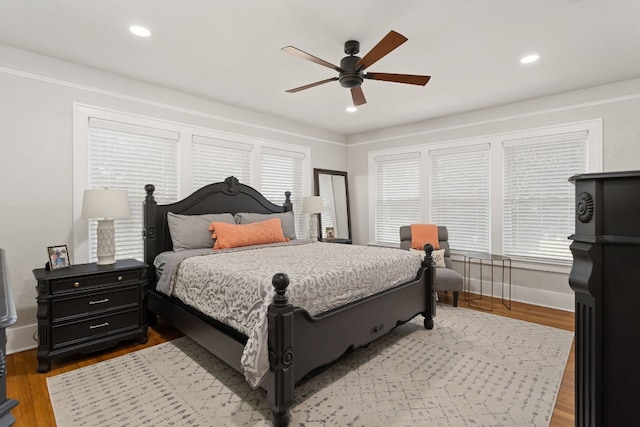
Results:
x,y
21,338
544,298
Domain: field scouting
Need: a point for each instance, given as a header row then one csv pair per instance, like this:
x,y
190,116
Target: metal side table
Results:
x,y
492,261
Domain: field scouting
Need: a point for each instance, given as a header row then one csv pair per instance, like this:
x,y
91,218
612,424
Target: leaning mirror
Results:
x,y
334,223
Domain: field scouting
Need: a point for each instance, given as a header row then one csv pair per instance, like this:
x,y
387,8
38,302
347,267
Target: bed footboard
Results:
x,y
300,343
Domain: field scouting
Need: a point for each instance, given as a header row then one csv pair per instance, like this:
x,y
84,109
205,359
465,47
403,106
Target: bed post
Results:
x,y
287,205
149,236
281,358
150,227
429,266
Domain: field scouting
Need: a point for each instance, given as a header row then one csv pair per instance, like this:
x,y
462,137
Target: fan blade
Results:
x,y
321,82
399,78
304,55
358,96
384,46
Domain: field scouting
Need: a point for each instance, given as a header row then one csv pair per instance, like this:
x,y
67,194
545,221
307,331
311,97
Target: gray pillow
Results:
x,y
286,219
192,231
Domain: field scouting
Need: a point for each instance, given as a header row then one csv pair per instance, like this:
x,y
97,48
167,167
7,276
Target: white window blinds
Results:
x,y
538,198
281,170
127,157
216,159
460,196
397,195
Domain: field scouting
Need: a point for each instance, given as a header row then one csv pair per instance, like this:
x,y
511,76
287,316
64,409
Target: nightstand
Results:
x,y
89,307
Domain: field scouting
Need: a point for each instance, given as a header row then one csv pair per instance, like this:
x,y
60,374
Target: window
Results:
x,y
124,151
459,195
397,195
506,194
215,159
538,198
281,170
127,157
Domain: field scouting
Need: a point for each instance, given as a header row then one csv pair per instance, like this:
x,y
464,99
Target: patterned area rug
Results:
x,y
472,369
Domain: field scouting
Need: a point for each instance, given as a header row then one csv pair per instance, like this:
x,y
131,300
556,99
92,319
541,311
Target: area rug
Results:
x,y
472,369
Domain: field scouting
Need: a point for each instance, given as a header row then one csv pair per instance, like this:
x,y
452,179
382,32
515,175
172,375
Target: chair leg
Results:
x,y
455,298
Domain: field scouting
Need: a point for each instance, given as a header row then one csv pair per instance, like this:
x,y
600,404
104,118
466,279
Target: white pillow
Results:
x,y
437,255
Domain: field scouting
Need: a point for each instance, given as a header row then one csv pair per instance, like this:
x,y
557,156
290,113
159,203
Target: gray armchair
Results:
x,y
447,279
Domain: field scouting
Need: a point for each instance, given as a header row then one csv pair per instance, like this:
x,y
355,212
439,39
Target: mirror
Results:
x,y
334,223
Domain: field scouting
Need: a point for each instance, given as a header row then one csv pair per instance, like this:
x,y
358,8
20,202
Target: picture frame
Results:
x,y
330,233
58,257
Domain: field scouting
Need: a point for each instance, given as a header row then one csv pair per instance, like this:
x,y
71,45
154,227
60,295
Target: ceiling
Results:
x,y
229,50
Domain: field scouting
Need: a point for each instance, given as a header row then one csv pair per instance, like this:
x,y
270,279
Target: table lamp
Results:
x,y
312,205
105,205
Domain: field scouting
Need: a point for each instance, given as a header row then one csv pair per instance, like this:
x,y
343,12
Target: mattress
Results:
x,y
234,286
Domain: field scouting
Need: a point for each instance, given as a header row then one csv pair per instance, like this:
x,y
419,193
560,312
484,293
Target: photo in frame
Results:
x,y
330,232
58,257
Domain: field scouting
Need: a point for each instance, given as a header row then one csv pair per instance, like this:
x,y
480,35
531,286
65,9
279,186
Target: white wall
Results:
x,y
618,105
36,169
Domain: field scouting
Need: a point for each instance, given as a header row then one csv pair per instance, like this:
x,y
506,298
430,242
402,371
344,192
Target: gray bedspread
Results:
x,y
234,286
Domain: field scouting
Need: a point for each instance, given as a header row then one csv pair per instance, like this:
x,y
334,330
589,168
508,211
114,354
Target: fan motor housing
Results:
x,y
350,77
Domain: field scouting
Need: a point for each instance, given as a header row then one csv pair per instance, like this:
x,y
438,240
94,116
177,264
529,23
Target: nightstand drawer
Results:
x,y
72,306
92,280
66,334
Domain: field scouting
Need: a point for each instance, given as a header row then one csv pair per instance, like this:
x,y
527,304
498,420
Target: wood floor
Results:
x,y
34,409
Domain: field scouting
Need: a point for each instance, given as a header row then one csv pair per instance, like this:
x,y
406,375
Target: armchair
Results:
x,y
447,279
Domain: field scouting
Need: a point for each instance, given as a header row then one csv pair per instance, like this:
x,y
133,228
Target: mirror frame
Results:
x,y
316,185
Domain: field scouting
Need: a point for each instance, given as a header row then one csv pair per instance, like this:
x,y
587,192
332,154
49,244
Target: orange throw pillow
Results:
x,y
421,234
257,233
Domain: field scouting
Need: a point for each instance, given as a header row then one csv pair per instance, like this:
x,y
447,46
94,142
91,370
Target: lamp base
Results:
x,y
313,227
106,242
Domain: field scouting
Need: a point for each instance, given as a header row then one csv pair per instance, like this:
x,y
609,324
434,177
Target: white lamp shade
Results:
x,y
105,203
312,204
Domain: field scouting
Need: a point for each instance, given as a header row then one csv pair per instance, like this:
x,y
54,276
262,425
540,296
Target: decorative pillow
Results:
x,y
191,231
257,233
421,234
286,218
437,255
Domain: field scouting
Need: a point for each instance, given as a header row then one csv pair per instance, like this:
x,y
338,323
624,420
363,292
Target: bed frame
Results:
x,y
298,342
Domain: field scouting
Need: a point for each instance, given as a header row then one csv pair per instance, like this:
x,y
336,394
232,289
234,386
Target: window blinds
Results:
x,y
538,198
215,159
127,157
460,196
281,170
397,195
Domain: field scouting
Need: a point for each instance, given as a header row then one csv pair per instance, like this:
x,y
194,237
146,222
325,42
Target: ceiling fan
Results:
x,y
352,68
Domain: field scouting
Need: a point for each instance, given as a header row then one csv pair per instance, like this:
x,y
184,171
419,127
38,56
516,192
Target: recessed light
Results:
x,y
351,109
140,31
530,58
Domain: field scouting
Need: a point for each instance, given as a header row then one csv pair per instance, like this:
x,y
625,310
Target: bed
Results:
x,y
298,343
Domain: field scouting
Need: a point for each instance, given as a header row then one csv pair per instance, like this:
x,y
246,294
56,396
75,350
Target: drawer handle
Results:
x,y
100,301
119,278
75,285
101,325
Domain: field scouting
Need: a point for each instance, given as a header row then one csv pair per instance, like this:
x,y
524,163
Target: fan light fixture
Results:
x,y
351,72
140,31
530,58
352,109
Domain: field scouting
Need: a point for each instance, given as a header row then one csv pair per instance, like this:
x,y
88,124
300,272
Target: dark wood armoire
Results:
x,y
606,279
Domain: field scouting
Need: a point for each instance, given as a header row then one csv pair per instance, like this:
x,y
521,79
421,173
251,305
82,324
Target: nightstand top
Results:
x,y
82,269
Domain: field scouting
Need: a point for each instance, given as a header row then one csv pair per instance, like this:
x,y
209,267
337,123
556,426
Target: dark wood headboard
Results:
x,y
228,196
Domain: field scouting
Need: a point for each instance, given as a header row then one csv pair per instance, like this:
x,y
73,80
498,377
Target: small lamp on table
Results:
x,y
105,205
312,205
